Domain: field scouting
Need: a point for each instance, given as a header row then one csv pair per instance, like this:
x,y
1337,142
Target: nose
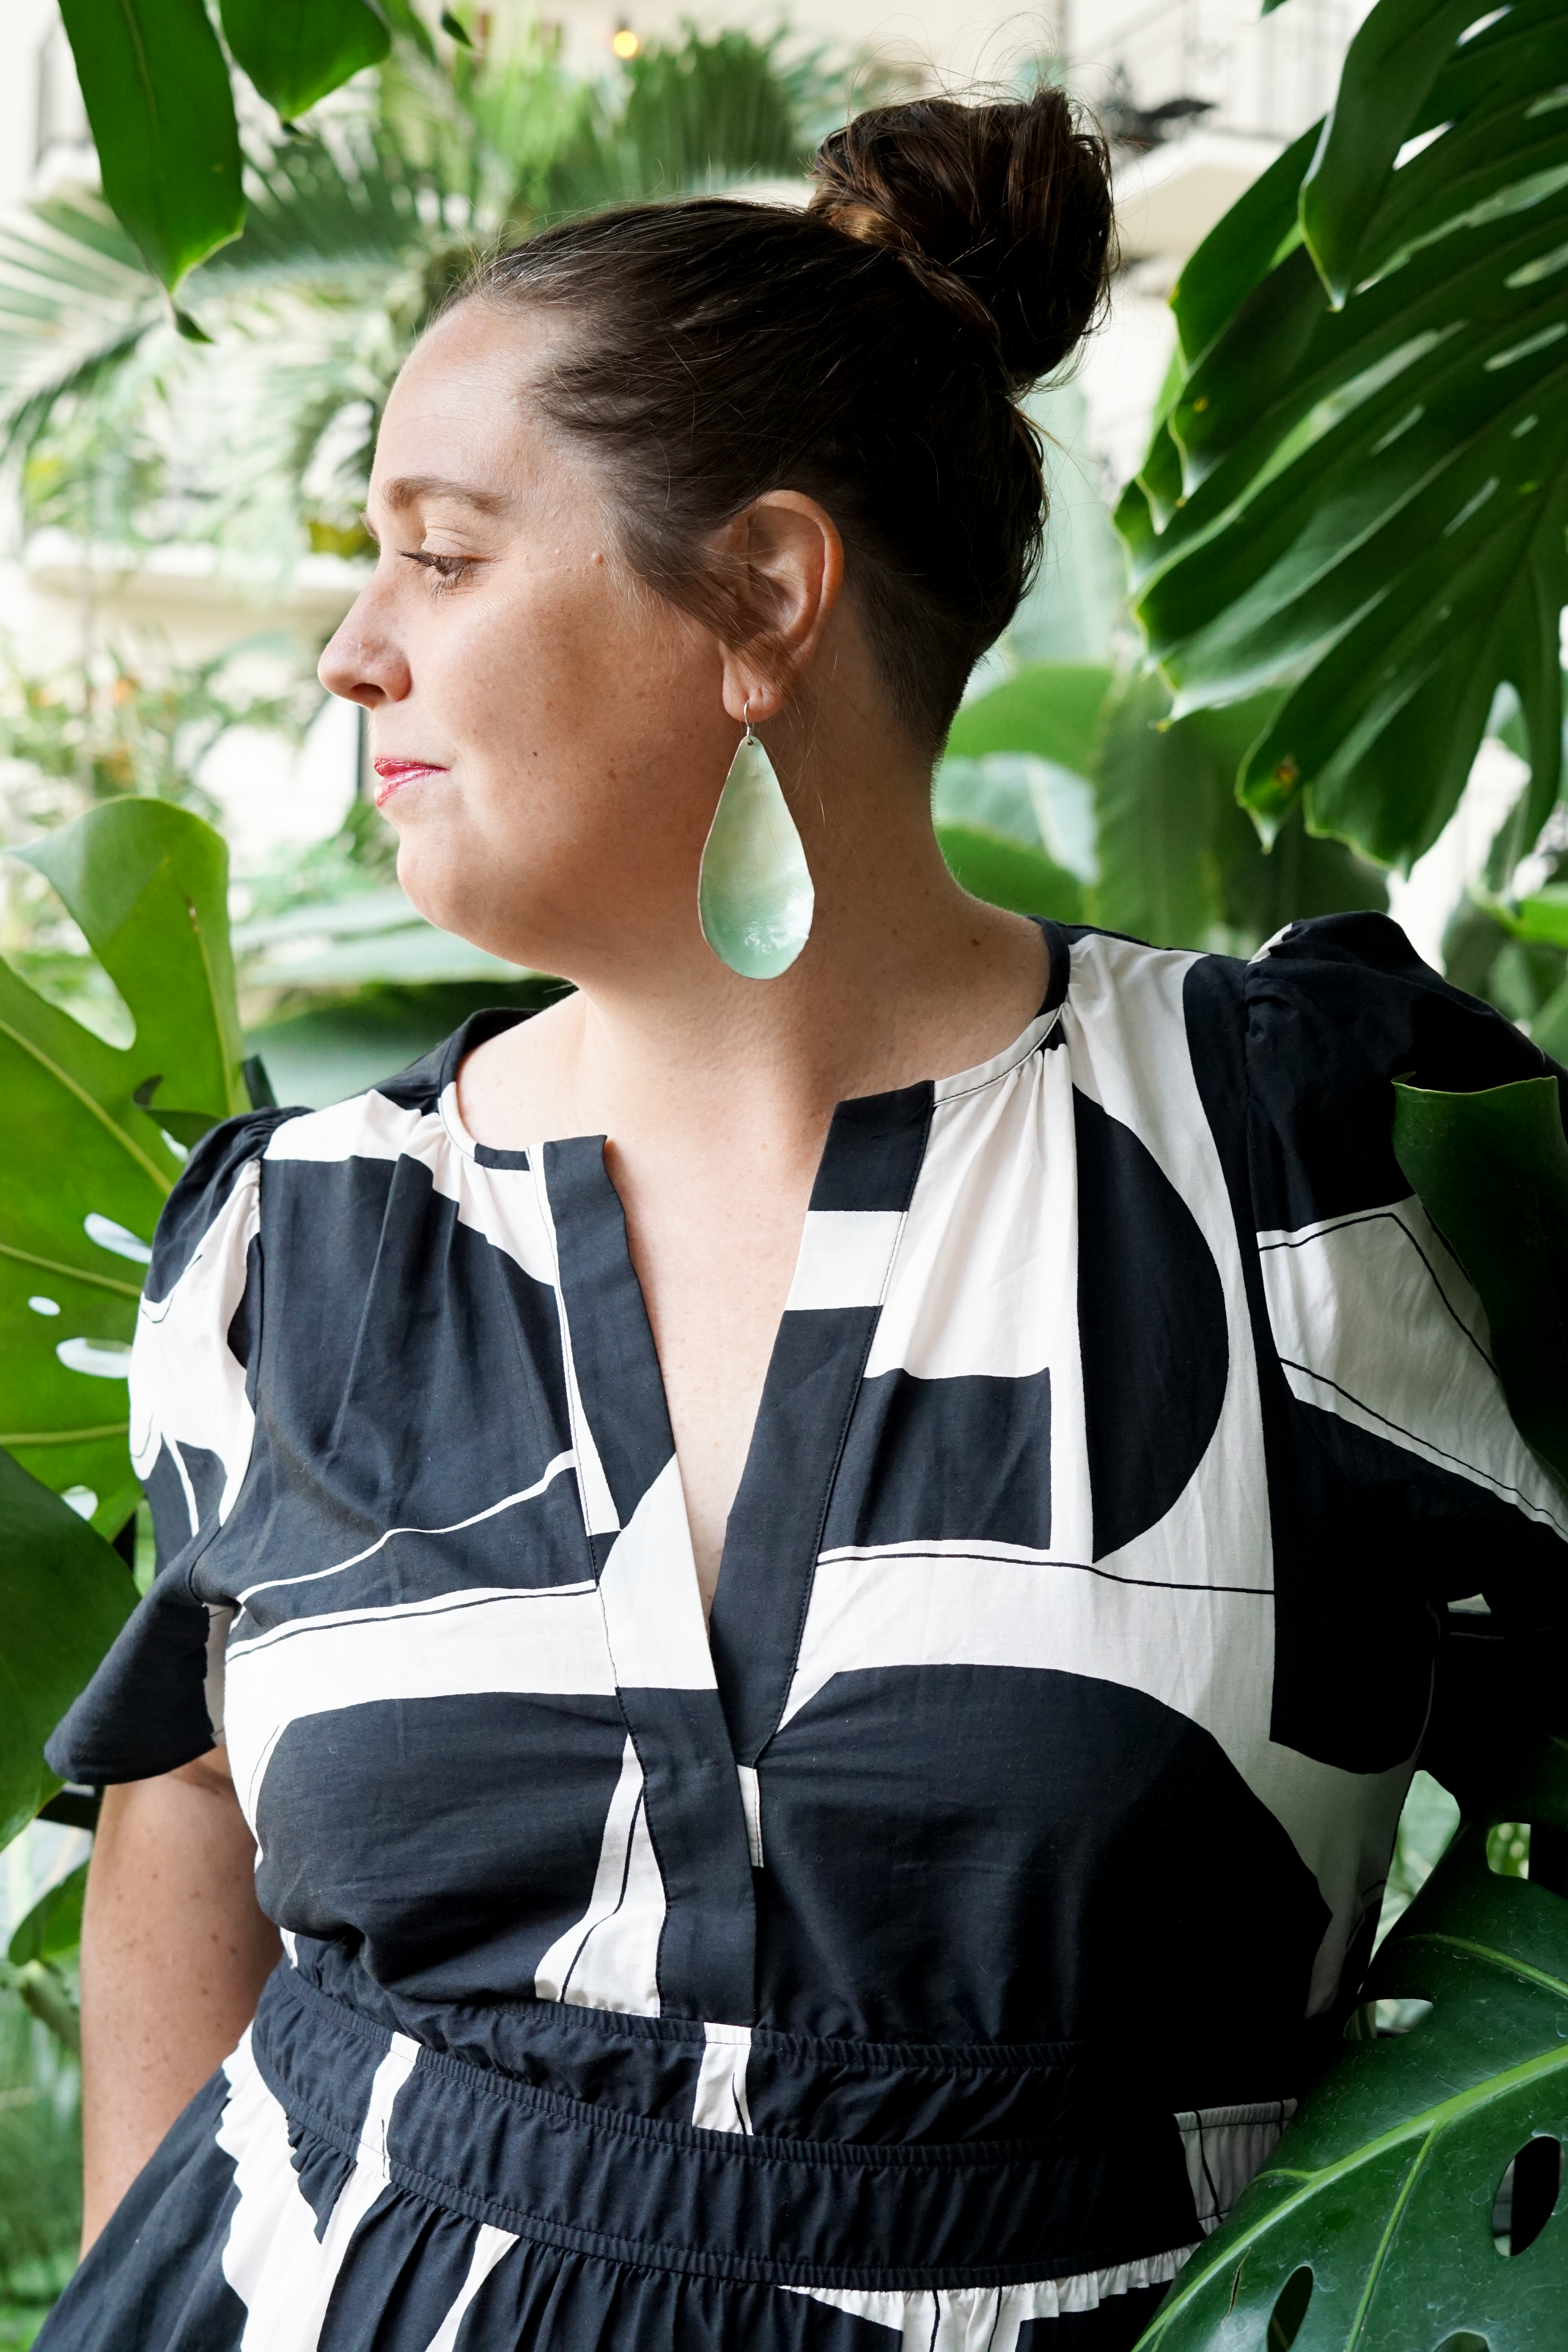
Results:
x,y
362,662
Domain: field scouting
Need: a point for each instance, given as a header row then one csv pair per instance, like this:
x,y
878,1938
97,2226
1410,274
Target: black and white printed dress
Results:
x,y
927,1952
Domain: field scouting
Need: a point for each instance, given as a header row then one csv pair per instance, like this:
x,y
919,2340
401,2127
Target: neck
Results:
x,y
904,977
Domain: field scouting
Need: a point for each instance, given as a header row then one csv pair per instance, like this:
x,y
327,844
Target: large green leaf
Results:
x,y
1009,873
1180,863
64,1596
295,51
1363,509
85,1164
157,94
1371,2228
1049,709
51,1930
1492,1170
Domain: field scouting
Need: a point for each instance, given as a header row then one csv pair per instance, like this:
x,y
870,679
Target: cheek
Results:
x,y
577,726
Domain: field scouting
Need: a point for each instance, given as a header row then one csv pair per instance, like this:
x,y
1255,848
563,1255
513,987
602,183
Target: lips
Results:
x,y
395,772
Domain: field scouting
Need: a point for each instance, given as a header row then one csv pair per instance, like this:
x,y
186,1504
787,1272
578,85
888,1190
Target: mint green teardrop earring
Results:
x,y
755,897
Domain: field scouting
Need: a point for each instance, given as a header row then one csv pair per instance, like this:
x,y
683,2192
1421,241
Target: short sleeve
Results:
x,y
151,1706
1381,1338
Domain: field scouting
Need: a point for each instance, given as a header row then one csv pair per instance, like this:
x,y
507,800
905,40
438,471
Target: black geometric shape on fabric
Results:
x,y
936,1460
616,1362
978,1854
1340,1006
405,2267
1152,1330
145,1710
411,1372
425,1831
205,1183
1382,1535
874,1147
165,1494
776,1521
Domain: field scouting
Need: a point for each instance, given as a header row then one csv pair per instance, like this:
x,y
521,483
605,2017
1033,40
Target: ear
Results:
x,y
787,561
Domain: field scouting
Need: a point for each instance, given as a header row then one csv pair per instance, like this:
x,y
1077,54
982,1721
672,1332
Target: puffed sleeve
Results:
x,y
1411,1477
156,1700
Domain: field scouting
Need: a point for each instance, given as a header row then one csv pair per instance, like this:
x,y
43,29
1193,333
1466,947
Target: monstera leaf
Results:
x,y
1138,808
1357,497
1492,1170
94,1135
64,1596
1409,2207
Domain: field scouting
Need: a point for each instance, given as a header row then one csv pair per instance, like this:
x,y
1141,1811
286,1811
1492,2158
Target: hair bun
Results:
x,y
1001,211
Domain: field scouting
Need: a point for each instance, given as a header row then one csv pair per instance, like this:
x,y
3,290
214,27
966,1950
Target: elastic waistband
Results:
x,y
724,2200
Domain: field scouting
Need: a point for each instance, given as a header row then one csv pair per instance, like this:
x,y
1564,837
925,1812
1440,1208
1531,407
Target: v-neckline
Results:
x,y
870,1162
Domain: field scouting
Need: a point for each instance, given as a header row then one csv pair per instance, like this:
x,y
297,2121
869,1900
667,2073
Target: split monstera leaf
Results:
x,y
91,1145
1414,2204
1353,507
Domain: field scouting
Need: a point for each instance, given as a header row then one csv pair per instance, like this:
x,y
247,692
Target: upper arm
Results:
x,y
1380,1338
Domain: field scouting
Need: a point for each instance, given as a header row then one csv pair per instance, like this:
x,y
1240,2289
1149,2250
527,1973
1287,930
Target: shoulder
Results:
x,y
214,1174
1335,1010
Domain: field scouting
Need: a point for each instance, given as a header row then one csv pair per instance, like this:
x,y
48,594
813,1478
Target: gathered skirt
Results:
x,y
340,2186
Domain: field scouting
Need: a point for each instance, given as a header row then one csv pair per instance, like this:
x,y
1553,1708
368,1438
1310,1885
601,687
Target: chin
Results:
x,y
443,890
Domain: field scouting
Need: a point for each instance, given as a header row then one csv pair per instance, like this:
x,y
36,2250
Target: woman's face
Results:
x,y
549,739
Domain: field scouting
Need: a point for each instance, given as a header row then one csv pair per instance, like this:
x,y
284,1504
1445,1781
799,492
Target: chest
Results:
x,y
995,1575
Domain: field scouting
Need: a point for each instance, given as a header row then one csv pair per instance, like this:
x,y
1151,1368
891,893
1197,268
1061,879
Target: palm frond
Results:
x,y
75,300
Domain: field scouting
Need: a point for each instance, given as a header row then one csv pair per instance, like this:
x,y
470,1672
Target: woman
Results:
x,y
821,1657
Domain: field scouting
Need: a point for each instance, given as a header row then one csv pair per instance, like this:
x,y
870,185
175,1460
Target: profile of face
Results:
x,y
550,738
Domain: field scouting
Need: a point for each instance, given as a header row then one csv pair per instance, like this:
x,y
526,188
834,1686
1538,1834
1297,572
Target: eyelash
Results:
x,y
448,569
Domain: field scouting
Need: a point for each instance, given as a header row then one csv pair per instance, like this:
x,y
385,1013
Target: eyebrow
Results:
x,y
408,490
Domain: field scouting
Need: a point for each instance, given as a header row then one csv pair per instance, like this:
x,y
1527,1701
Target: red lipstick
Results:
x,y
393,772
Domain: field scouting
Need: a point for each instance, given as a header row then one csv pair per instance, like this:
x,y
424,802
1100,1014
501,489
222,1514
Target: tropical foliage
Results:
x,y
1353,507
355,229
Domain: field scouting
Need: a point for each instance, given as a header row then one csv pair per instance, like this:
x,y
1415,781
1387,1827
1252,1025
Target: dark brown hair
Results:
x,y
870,351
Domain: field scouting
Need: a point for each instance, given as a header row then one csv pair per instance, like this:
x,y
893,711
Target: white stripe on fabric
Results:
x,y
653,1604
186,1384
489,2247
844,1257
751,1805
491,1510
1225,2147
610,1957
1376,1324
1186,1646
984,1074
272,2258
549,1641
988,2318
986,1279
720,2104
